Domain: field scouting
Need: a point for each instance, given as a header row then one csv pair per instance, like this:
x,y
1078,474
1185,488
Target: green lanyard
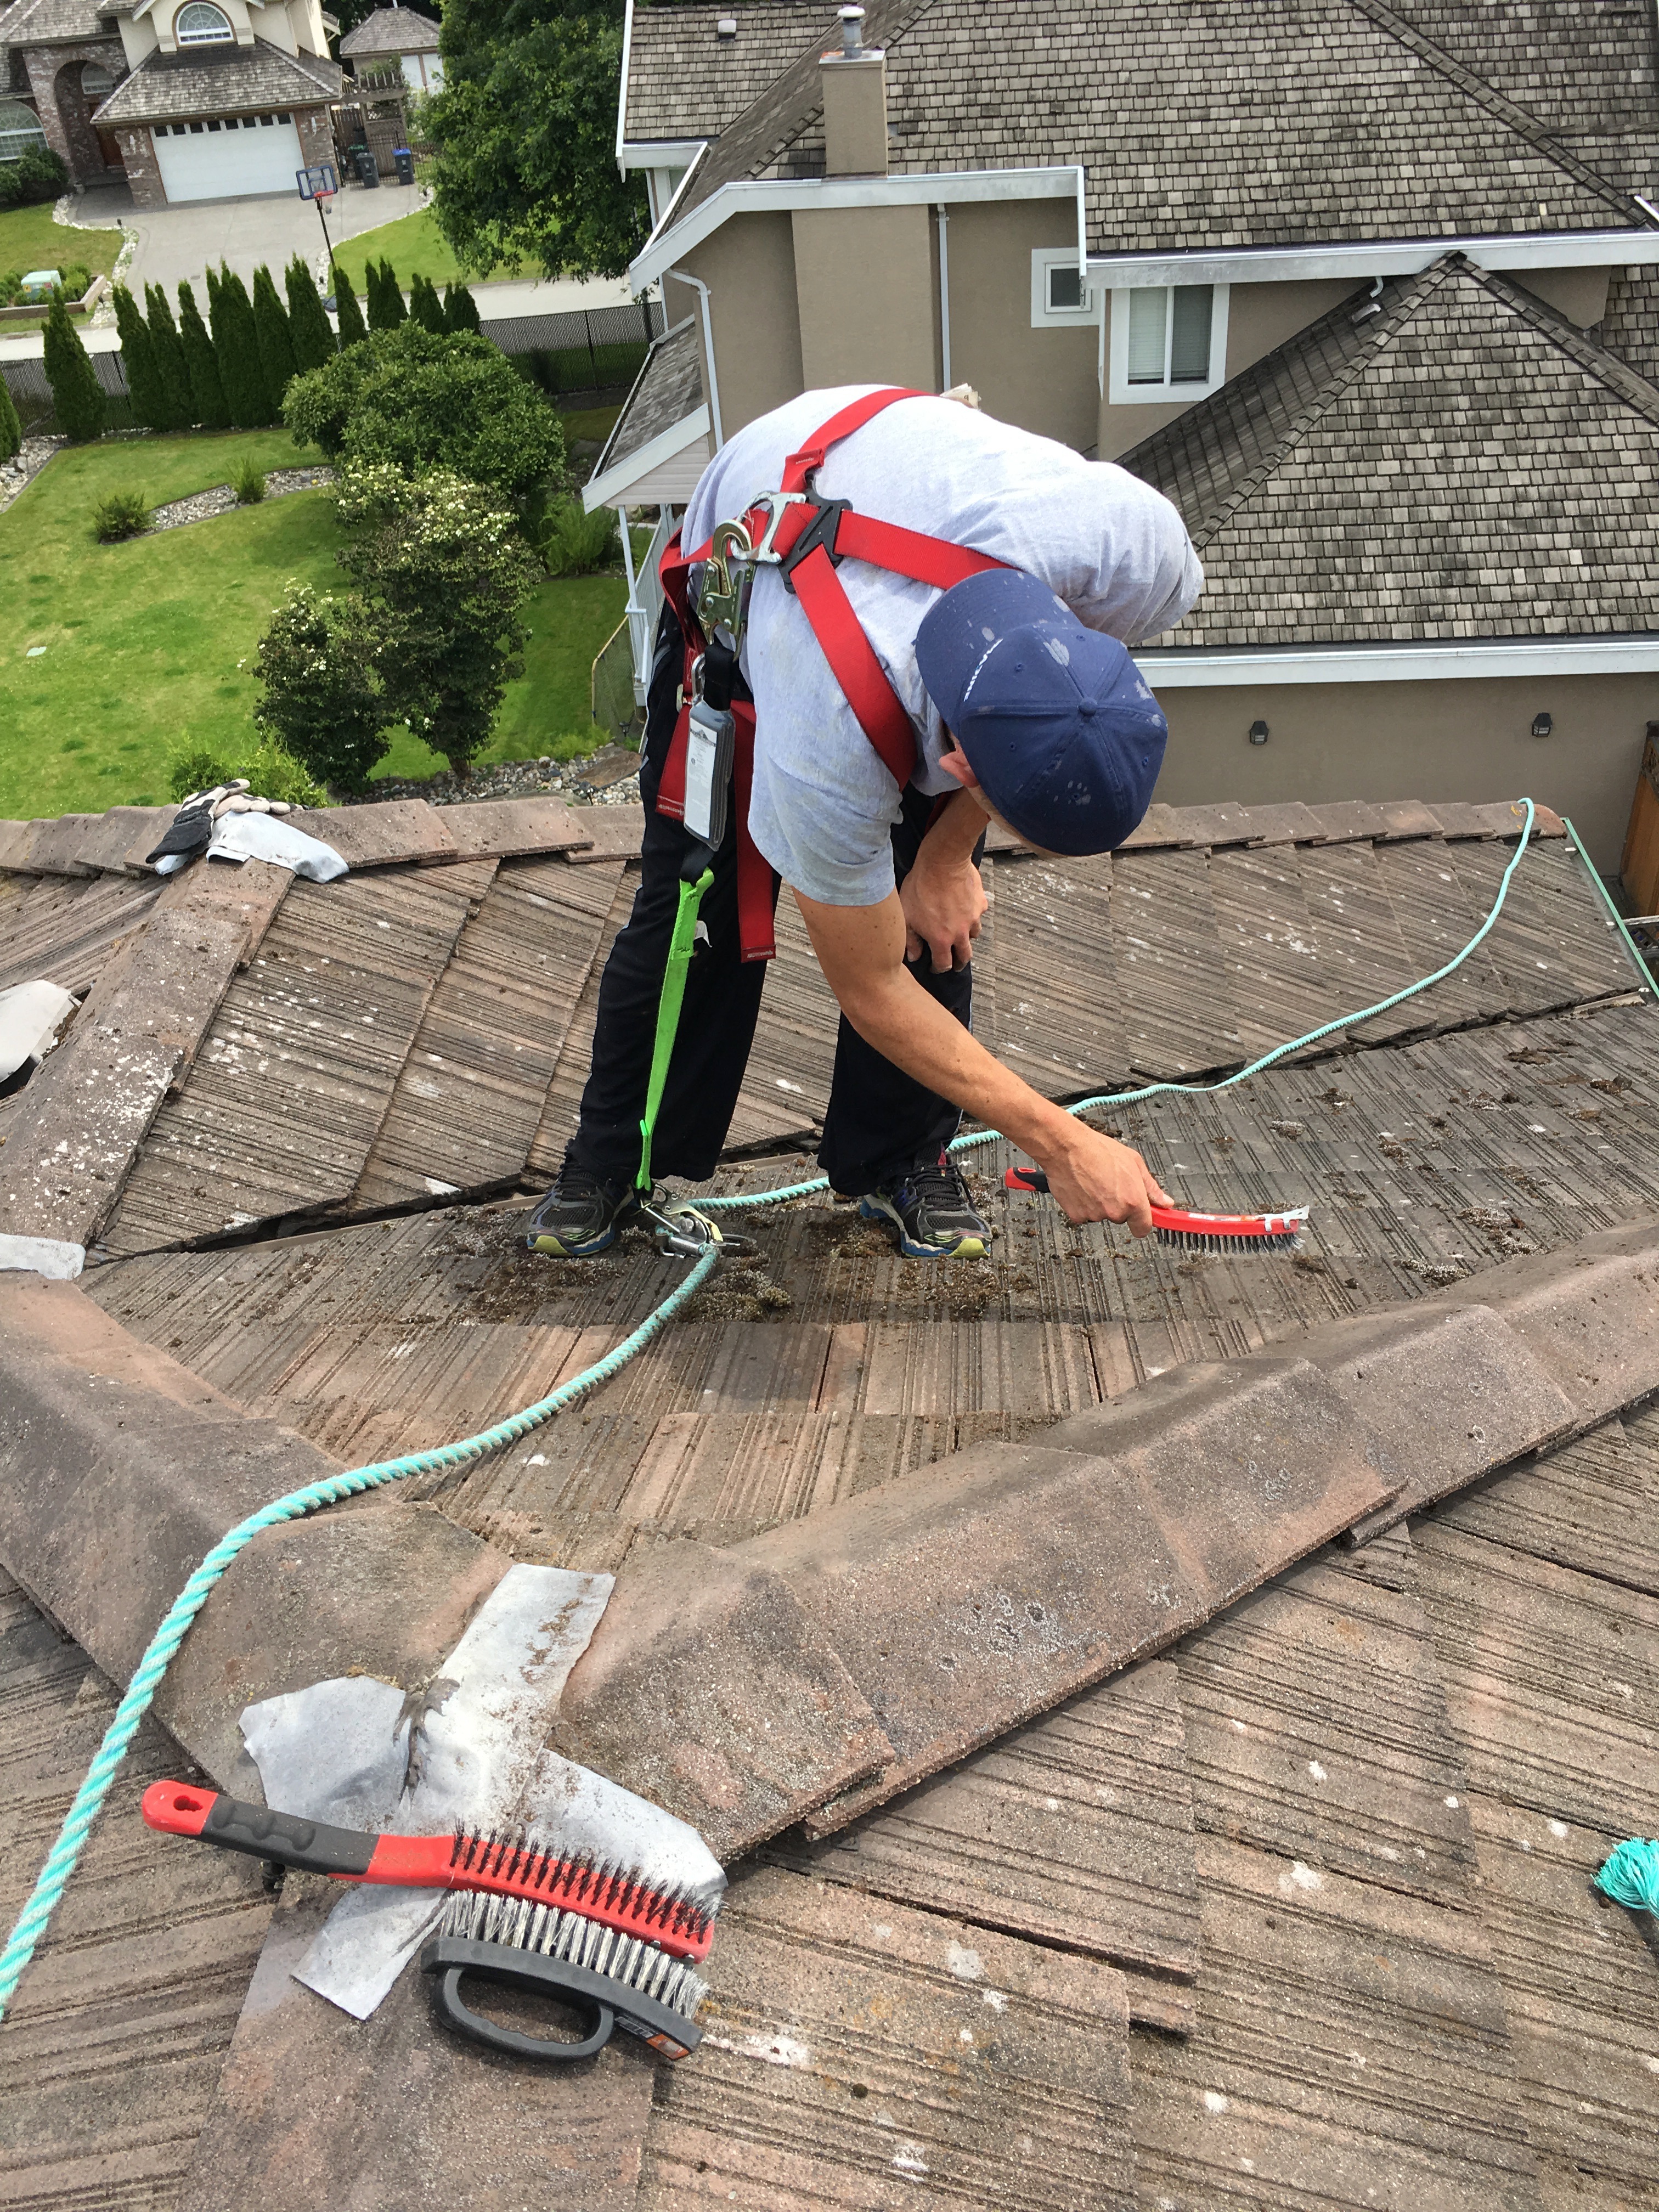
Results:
x,y
681,945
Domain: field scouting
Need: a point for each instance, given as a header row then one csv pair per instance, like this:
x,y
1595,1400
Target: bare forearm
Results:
x,y
910,1027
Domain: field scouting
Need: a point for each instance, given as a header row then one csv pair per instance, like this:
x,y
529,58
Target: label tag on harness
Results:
x,y
710,745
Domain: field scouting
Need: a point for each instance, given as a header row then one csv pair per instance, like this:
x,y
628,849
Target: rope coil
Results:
x,y
65,1853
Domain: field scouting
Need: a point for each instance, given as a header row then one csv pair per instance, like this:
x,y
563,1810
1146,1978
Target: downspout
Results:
x,y
621,96
682,277
944,302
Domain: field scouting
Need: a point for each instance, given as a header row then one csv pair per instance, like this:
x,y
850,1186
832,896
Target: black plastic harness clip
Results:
x,y
822,530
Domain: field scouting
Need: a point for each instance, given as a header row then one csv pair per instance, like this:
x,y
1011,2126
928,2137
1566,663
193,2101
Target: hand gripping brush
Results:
x,y
1198,1232
615,1947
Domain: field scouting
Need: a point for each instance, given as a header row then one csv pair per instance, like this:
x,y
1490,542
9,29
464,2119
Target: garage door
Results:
x,y
217,160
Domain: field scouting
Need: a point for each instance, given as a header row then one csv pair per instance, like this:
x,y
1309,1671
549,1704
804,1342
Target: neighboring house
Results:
x,y
186,99
1106,216
396,38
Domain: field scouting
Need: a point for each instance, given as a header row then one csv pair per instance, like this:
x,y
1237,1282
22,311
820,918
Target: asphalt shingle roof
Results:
x,y
1630,329
1576,65
167,88
1462,464
684,81
1236,123
392,31
669,387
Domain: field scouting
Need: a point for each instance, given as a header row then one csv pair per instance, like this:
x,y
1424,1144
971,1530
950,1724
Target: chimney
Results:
x,y
854,81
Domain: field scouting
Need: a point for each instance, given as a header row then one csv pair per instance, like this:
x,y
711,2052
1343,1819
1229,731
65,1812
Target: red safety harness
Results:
x,y
807,537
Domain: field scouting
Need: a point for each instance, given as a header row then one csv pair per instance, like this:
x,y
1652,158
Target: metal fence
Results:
x,y
584,350
32,394
587,349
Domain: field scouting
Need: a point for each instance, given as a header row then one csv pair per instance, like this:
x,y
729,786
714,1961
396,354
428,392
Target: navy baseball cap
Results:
x,y
1056,720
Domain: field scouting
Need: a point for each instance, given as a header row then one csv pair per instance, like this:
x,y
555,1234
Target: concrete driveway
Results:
x,y
177,243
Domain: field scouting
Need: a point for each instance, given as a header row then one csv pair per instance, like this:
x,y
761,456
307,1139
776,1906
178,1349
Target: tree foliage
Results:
x,y
525,125
460,309
276,362
416,400
386,298
11,429
308,320
77,396
144,388
207,391
444,575
236,344
321,699
353,329
425,306
170,363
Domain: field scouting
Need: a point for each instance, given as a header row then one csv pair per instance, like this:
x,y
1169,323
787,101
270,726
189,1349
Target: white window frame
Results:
x,y
225,38
1043,316
1121,394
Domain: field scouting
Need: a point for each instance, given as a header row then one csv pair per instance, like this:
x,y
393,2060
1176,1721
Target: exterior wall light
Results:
x,y
1258,733
1543,725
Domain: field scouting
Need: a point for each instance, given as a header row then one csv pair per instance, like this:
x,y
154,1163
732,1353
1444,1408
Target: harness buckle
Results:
x,y
773,504
823,529
719,603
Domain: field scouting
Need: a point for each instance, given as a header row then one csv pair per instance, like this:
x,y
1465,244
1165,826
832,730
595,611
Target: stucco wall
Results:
x,y
1466,737
866,296
1045,380
748,265
1259,318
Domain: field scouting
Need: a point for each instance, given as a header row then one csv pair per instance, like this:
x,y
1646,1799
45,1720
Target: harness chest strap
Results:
x,y
837,534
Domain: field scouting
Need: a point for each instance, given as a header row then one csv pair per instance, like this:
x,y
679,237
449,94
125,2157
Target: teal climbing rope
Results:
x,y
1630,1875
89,1798
1194,1090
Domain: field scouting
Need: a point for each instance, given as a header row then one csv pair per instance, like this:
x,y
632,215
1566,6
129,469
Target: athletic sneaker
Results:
x,y
936,1218
580,1215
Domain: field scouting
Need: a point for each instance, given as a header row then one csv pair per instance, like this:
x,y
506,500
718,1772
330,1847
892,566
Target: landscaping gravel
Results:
x,y
26,464
609,777
220,498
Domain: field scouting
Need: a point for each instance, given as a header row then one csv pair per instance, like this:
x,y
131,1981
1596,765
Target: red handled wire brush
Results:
x,y
591,1933
1198,1232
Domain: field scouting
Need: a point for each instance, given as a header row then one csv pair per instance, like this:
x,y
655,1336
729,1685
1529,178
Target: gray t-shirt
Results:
x,y
1110,546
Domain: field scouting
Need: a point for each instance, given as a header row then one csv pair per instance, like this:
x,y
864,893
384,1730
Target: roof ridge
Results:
x,y
1499,104
1605,366
1343,377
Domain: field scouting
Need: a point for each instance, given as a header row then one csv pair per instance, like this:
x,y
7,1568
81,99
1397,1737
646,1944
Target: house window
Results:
x,y
1169,342
200,24
1061,296
20,131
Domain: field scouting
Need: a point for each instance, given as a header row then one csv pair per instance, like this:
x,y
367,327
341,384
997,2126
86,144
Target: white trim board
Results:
x,y
615,485
1402,257
934,189
1173,668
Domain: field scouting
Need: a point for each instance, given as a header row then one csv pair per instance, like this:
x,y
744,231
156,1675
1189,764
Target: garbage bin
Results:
x,y
406,161
369,169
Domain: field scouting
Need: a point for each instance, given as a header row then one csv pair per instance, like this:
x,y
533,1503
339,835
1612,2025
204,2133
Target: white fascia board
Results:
x,y
1405,256
1177,670
622,90
657,153
926,189
612,488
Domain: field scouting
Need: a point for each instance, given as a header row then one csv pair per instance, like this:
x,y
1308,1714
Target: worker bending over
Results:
x,y
883,692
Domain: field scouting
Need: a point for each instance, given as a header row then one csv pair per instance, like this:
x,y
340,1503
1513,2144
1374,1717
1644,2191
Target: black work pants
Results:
x,y
879,1120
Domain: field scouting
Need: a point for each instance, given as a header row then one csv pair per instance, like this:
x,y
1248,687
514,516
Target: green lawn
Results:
x,y
29,239
143,640
416,247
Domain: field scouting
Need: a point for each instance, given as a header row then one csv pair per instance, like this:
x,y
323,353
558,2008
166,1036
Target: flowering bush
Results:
x,y
445,575
322,699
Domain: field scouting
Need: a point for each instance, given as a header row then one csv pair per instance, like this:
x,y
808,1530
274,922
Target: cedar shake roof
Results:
x,y
1180,115
1462,464
52,23
686,82
392,31
172,88
668,388
1630,328
1108,1814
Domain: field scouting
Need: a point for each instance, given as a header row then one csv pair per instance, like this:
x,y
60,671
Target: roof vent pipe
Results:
x,y
853,78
